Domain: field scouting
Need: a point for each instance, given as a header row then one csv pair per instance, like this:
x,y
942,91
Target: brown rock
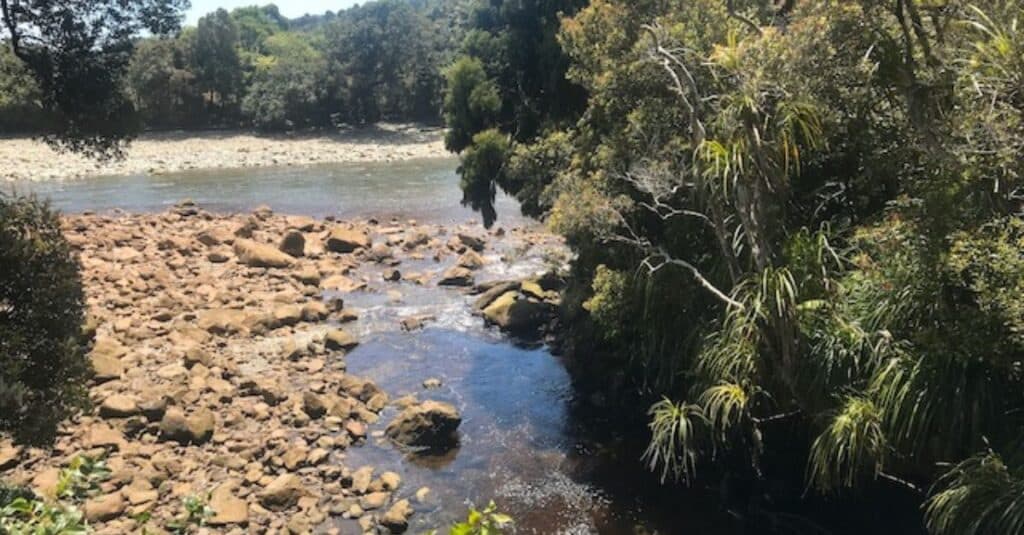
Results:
x,y
227,509
282,493
431,424
119,406
342,240
470,260
396,519
104,508
196,428
339,339
256,254
456,276
293,244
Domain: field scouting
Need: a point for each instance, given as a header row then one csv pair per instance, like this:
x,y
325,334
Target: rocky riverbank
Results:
x,y
30,160
220,367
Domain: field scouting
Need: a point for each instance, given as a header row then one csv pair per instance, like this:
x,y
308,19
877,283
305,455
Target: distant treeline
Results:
x,y
254,67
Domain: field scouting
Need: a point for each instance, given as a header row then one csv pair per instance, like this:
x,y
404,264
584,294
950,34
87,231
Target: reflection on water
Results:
x,y
524,441
425,189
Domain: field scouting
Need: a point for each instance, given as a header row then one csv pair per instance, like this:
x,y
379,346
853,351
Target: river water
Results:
x,y
526,442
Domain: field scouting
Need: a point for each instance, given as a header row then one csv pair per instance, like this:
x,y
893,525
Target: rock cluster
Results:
x,y
219,359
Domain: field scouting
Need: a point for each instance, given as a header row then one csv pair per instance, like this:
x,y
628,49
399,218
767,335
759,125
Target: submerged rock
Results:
x,y
430,424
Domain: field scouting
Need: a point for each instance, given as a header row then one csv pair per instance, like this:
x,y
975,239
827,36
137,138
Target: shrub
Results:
x,y
42,363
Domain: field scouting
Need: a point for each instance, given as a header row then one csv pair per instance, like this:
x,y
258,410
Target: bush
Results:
x,y
43,367
481,168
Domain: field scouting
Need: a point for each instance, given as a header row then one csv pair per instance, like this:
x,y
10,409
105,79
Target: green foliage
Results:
x,y
821,206
216,59
511,75
486,522
195,514
471,103
36,517
609,304
77,53
43,367
286,89
481,163
81,479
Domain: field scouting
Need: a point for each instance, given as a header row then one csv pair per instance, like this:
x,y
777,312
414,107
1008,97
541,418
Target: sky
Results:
x,y
289,8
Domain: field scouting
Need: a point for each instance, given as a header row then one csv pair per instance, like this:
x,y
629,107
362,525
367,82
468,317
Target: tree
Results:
x,y
256,24
161,85
217,65
791,220
43,368
287,85
77,51
512,75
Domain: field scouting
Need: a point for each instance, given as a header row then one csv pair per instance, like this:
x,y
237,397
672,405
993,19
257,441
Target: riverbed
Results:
x,y
549,459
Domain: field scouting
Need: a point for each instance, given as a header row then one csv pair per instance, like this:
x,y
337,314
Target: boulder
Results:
x,y
430,424
104,508
119,406
293,244
517,314
339,339
308,275
456,276
473,242
282,493
223,321
215,236
343,240
196,428
255,254
227,509
286,316
494,291
106,357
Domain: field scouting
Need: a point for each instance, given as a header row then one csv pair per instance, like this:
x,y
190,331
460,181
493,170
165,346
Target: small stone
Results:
x,y
432,383
391,480
396,519
374,500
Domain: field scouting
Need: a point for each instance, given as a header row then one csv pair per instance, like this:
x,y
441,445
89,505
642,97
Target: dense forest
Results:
x,y
796,224
253,67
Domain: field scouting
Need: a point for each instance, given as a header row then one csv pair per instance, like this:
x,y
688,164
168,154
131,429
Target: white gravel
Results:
x,y
24,159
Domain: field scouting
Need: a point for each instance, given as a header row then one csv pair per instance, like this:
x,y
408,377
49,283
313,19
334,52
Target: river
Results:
x,y
527,442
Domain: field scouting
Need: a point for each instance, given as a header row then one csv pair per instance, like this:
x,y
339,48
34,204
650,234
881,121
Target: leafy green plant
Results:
x,y
486,522
196,513
81,478
36,517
